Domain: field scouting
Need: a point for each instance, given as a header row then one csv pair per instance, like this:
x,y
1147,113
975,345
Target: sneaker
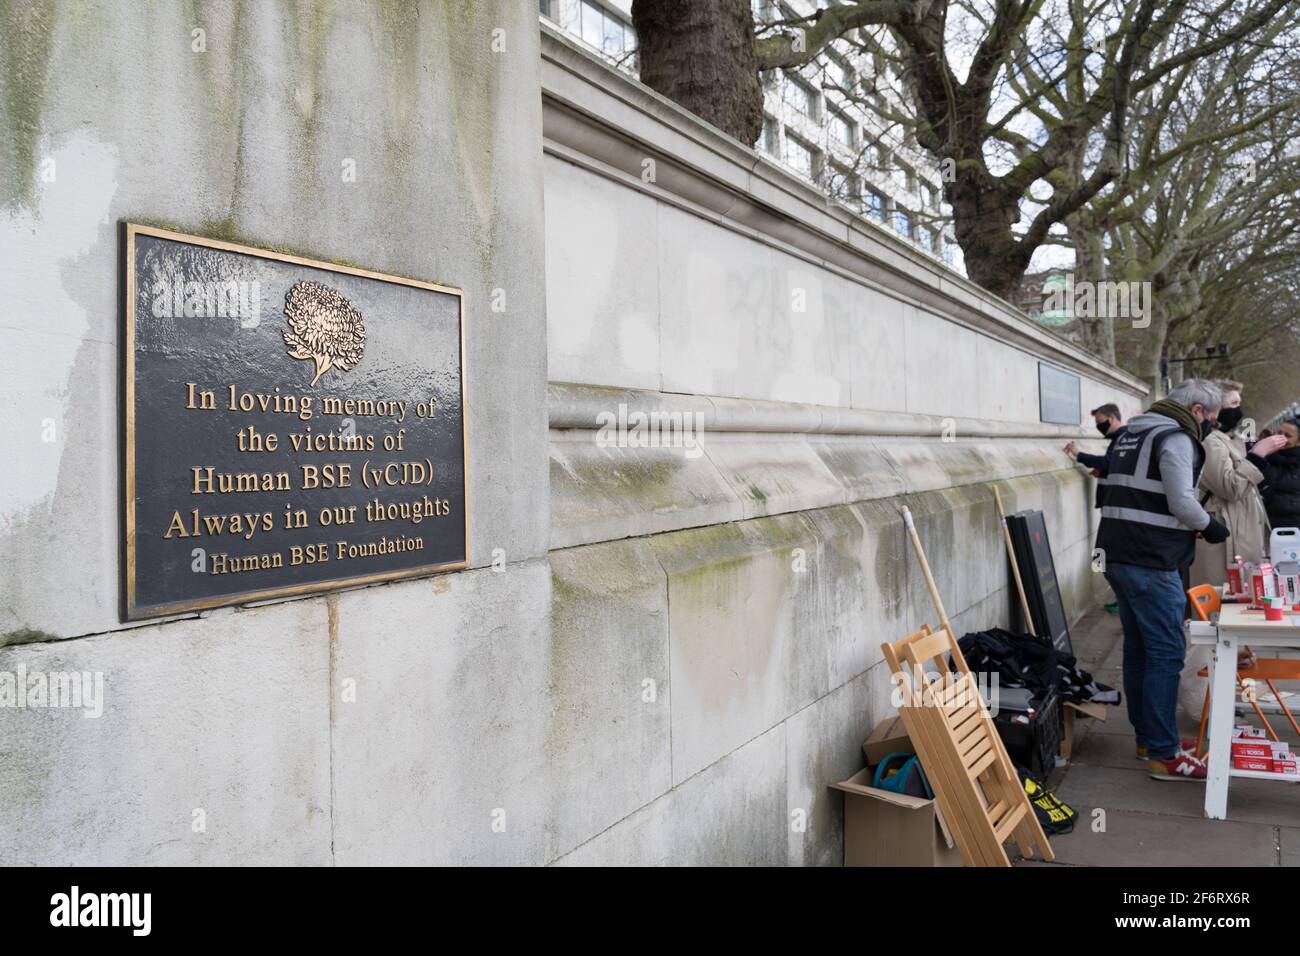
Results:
x,y
1187,743
1181,766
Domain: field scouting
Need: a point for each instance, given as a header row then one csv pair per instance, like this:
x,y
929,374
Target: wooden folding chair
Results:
x,y
977,789
1206,601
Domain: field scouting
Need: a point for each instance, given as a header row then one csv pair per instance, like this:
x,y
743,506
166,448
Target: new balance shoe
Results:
x,y
1181,766
1187,743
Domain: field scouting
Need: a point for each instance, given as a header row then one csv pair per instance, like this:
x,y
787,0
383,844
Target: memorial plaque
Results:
x,y
1058,396
290,425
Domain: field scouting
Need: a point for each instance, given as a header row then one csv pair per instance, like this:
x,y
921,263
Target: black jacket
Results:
x,y
1099,463
1282,488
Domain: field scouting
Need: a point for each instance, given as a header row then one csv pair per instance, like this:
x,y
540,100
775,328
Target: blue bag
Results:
x,y
909,778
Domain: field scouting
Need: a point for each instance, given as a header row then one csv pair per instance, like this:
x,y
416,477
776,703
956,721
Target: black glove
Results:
x,y
1214,532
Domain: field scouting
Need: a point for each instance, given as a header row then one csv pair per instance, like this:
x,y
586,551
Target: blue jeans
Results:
x,y
1151,606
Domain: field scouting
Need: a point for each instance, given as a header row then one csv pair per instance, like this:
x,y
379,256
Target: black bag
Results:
x,y
1054,816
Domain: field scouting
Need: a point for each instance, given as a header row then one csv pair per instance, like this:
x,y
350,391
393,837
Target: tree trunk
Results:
x,y
982,219
1097,331
1143,349
700,54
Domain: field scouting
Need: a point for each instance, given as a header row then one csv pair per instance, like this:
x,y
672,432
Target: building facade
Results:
x,y
837,122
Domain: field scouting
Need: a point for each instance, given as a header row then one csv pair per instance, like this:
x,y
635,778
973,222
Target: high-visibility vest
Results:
x,y
1137,526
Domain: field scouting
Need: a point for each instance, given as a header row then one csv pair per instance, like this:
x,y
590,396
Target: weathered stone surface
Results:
x,y
442,756
732,814
863,470
213,747
880,692
742,319
879,368
936,384
743,625
604,329
859,585
824,746
808,344
774,474
1008,382
608,732
602,493
719,299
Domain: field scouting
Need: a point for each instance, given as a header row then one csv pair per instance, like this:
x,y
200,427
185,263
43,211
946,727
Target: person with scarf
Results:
x,y
1150,519
1229,490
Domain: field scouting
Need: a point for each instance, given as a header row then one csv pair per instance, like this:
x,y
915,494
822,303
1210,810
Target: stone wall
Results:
x,y
751,589
752,575
653,657
112,112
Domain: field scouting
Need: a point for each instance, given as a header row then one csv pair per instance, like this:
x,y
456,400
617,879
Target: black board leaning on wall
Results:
x,y
1033,556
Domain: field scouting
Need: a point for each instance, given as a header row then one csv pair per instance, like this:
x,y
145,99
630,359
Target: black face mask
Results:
x,y
1229,418
1207,426
1103,426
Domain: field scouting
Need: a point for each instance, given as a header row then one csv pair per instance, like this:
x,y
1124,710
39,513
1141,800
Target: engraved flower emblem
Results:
x,y
324,327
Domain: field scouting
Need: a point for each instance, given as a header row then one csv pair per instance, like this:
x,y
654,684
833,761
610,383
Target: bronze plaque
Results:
x,y
290,425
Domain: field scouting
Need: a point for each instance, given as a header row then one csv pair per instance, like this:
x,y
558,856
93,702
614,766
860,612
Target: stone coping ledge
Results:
x,y
573,406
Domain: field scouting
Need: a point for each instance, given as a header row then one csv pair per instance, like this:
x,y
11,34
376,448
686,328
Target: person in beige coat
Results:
x,y
1229,491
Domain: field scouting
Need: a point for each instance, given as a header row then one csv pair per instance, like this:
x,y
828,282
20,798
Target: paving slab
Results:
x,y
1289,846
1113,676
1099,749
1093,646
1249,801
1116,725
1132,838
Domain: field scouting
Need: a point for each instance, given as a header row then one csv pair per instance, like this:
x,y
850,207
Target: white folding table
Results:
x,y
1236,626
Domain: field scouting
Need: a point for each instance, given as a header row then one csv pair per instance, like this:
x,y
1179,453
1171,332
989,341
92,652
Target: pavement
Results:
x,y
1128,819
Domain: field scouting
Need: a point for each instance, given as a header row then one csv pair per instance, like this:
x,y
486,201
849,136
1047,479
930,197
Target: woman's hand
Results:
x,y
1266,446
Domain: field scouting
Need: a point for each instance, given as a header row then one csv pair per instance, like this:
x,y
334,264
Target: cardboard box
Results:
x,y
1288,582
1285,766
892,829
1264,764
889,737
1252,748
1072,712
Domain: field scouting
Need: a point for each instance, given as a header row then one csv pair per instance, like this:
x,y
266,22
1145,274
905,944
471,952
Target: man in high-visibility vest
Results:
x,y
1150,519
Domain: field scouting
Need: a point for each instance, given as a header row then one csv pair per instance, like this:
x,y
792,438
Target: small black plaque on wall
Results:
x,y
290,425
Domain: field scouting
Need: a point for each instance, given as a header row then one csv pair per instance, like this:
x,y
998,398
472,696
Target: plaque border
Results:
x,y
131,611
